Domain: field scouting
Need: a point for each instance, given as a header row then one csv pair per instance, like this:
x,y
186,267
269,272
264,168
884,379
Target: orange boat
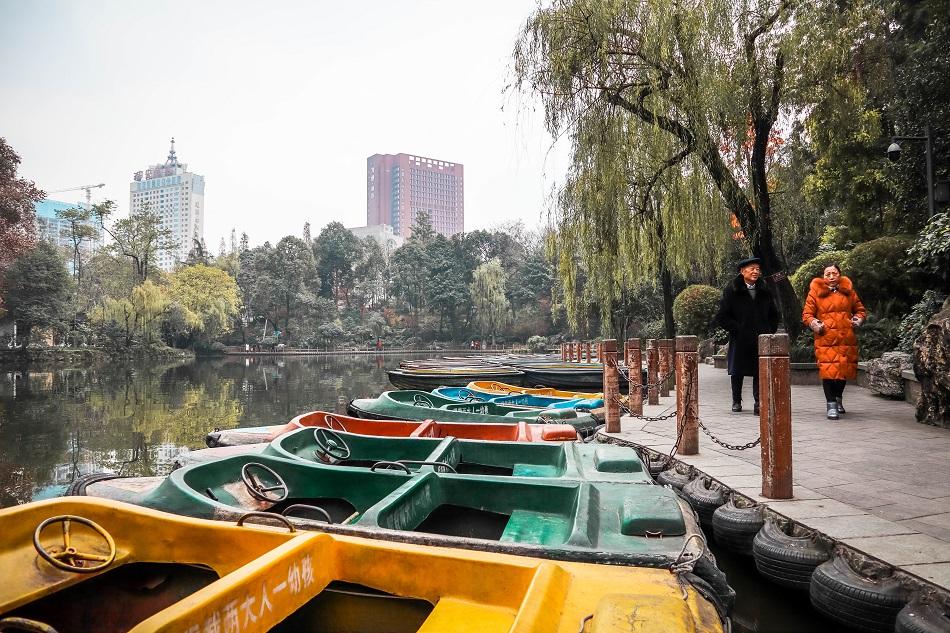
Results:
x,y
515,432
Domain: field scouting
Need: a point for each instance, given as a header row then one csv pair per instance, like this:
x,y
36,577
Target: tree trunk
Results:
x,y
666,281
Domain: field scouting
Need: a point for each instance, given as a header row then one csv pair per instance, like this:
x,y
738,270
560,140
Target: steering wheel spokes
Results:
x,y
331,420
420,400
330,444
258,488
69,557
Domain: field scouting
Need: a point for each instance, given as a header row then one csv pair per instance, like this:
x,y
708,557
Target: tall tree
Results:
x,y
209,298
294,270
17,213
138,237
488,296
79,229
37,289
337,252
700,80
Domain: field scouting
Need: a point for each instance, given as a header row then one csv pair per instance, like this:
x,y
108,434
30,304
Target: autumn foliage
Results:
x,y
17,214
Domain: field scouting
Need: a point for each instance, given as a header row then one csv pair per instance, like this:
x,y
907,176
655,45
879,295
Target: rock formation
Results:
x,y
932,366
884,373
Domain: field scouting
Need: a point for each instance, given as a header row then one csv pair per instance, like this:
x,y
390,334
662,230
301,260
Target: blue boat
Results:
x,y
463,394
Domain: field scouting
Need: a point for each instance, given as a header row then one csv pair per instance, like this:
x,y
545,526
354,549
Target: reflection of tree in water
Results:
x,y
134,418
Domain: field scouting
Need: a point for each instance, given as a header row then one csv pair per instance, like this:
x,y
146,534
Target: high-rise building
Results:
x,y
401,186
178,197
57,231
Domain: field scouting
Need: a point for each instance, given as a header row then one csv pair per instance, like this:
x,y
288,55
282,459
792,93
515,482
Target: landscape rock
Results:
x,y
932,366
884,373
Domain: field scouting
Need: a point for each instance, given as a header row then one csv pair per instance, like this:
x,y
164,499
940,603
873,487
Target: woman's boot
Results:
x,y
840,407
832,410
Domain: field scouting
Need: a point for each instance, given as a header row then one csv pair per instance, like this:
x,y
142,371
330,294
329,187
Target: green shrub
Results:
x,y
812,268
877,336
537,343
694,309
653,329
916,320
882,278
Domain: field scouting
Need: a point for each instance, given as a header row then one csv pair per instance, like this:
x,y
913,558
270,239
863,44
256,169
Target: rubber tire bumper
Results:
x,y
78,487
672,477
705,497
787,560
918,617
861,604
734,528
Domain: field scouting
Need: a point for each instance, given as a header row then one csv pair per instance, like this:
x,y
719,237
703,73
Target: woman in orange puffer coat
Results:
x,y
832,310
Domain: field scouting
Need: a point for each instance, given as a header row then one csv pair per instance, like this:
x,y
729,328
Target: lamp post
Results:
x,y
894,153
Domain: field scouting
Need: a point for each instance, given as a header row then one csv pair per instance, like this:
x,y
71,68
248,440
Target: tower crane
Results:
x,y
87,188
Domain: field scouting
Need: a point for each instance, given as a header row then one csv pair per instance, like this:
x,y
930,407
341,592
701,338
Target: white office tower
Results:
x,y
178,197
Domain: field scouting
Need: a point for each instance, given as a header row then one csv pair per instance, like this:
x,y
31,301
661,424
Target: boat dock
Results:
x,y
876,481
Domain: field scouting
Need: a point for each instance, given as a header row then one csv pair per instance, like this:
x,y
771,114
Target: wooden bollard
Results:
x,y
653,369
611,386
665,350
775,417
687,394
563,352
632,358
587,350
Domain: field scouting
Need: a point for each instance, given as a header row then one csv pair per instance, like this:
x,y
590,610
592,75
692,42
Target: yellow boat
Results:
x,y
124,568
495,388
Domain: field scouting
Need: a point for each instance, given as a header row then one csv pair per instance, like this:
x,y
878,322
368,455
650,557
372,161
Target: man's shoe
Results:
x,y
832,410
755,408
736,407
841,410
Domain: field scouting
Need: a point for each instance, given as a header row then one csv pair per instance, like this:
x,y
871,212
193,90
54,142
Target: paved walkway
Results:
x,y
876,480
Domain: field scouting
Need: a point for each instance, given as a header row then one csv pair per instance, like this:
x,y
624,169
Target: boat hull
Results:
x,y
428,379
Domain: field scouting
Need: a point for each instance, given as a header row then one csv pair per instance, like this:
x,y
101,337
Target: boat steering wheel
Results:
x,y
68,557
258,489
420,400
331,420
468,396
330,444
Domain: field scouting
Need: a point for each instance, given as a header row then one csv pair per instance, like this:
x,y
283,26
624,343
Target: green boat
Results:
x,y
566,519
564,460
422,405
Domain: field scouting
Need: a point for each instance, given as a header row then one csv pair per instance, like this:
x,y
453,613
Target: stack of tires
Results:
x,y
735,524
675,477
705,496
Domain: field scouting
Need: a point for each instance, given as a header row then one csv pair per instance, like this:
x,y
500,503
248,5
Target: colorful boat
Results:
x,y
426,378
566,375
464,394
564,519
96,565
495,388
134,569
323,582
422,405
511,432
566,460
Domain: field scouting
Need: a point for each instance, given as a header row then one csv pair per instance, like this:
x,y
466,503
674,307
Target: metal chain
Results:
x,y
648,385
731,447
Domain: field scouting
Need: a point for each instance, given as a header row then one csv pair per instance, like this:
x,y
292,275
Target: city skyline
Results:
x,y
279,106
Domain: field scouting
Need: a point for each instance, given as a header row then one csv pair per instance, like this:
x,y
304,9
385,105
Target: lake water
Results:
x,y
56,424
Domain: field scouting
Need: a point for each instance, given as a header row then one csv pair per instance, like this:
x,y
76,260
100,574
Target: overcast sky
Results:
x,y
276,104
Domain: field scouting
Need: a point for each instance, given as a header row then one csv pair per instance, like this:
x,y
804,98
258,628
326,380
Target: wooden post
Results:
x,y
635,387
611,386
687,394
653,369
587,350
775,417
665,349
563,353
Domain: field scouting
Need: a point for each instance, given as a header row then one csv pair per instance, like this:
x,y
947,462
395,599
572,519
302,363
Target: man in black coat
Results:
x,y
746,310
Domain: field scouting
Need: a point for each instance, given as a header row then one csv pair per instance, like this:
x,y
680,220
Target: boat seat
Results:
x,y
607,459
538,528
651,515
535,470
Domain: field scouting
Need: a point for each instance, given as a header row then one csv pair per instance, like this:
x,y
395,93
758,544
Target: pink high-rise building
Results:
x,y
401,186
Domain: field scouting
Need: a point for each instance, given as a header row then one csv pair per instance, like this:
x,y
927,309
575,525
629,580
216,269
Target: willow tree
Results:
x,y
630,220
488,297
706,82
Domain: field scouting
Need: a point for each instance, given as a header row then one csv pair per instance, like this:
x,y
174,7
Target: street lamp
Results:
x,y
894,154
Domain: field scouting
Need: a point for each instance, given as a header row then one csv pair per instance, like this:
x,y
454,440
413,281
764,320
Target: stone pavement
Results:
x,y
875,480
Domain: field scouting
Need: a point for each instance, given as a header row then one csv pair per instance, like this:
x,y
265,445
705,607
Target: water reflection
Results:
x,y
57,424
